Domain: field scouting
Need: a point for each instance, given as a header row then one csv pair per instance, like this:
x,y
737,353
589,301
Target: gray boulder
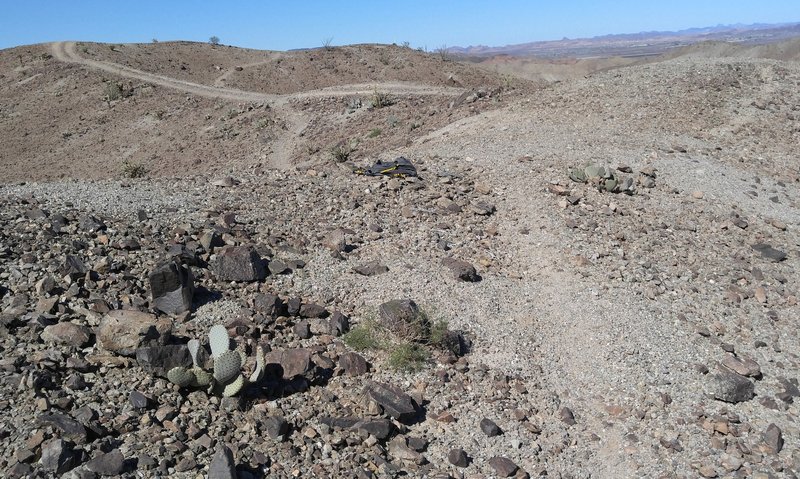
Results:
x,y
172,288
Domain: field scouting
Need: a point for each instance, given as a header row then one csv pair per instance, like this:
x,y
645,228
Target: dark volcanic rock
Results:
x,y
158,360
353,364
371,268
139,401
461,270
302,329
275,426
67,427
58,456
380,428
293,362
773,439
770,253
222,464
339,324
240,263
566,416
268,304
171,287
503,466
490,428
74,267
393,400
109,464
732,387
313,310
458,457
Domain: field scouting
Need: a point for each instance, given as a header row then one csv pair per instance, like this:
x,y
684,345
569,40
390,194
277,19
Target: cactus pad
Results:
x,y
181,376
194,349
226,366
232,388
202,377
258,372
219,340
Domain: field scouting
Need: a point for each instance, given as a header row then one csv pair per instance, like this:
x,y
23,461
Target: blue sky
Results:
x,y
281,25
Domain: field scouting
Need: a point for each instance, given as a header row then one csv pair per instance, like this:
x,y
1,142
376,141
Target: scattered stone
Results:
x,y
743,366
313,310
353,364
461,270
770,253
222,464
503,466
139,401
67,333
58,457
380,428
123,331
773,440
74,267
276,427
458,457
490,428
239,263
67,428
392,399
566,416
172,288
302,329
371,268
293,362
731,387
108,464
277,267
158,360
339,324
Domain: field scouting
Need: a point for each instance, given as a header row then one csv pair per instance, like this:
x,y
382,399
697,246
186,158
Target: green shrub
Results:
x,y
341,151
363,337
133,170
375,132
381,99
407,357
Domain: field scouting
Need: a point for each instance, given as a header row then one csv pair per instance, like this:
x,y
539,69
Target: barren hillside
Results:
x,y
598,278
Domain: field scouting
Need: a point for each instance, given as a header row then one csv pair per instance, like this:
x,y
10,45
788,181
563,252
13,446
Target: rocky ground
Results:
x,y
593,333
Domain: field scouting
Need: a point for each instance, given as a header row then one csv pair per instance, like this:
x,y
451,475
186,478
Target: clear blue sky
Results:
x,y
287,24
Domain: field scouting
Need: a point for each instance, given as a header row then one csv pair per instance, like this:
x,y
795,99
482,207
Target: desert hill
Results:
x,y
208,115
591,277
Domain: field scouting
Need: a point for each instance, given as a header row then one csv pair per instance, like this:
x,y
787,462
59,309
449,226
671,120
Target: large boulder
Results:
x,y
240,263
172,287
123,331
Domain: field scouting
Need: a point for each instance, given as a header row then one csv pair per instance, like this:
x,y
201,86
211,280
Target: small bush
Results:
x,y
133,170
341,151
407,357
439,329
214,40
363,337
113,91
375,132
443,53
381,99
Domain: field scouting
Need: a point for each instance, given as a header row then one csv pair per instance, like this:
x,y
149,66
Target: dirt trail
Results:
x,y
296,121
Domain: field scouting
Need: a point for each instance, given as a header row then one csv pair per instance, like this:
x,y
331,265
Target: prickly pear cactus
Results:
x,y
227,378
181,376
218,340
227,366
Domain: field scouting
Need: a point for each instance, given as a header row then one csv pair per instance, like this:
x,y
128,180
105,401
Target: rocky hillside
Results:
x,y
594,279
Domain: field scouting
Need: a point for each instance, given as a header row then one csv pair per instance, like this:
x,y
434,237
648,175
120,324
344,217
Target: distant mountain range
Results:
x,y
638,44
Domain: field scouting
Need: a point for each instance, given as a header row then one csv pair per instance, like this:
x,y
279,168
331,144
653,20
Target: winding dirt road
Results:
x,y
296,121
